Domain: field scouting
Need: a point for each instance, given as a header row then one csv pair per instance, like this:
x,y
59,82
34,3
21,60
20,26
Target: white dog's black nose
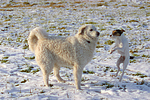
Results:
x,y
98,34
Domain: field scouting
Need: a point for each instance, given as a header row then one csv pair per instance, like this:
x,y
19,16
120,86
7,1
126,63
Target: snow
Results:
x,y
21,77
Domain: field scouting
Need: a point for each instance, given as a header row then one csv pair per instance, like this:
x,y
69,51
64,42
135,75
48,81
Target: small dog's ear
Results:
x,y
122,30
81,29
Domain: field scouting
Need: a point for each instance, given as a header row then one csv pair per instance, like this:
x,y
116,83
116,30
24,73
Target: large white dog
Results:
x,y
52,52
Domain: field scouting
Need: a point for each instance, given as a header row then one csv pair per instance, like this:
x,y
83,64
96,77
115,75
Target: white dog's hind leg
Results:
x,y
46,64
56,73
46,72
77,76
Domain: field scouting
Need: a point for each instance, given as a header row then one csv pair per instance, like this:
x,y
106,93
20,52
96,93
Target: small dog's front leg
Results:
x,y
120,49
111,51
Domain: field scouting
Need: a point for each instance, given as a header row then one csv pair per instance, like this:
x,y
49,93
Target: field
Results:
x,y
21,77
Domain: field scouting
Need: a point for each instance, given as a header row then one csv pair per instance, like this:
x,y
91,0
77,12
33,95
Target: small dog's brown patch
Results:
x,y
117,32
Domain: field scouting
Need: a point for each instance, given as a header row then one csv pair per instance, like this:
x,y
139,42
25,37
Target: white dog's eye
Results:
x,y
91,29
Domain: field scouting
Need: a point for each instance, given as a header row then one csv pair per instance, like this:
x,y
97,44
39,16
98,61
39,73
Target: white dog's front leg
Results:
x,y
77,76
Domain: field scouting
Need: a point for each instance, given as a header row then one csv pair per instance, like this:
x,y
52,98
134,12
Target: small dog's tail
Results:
x,y
35,35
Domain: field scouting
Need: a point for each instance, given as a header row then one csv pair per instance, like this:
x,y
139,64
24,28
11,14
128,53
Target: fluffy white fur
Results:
x,y
52,52
122,46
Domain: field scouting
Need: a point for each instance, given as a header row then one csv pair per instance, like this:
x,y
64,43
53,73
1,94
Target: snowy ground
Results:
x,y
20,76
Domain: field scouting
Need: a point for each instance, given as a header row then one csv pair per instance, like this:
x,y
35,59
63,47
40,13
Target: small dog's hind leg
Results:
x,y
56,73
125,63
118,65
120,60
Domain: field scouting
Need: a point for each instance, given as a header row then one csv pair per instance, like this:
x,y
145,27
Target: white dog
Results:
x,y
122,46
52,52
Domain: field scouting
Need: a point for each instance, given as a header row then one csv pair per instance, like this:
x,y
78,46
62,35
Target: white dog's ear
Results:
x,y
82,29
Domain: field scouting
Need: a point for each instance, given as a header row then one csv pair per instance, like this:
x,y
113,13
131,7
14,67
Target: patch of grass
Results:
x,y
24,81
19,39
17,85
146,56
106,69
25,47
133,61
112,70
78,2
42,91
84,79
108,85
60,34
26,3
140,75
6,10
5,59
51,85
142,7
102,29
136,55
30,58
98,46
60,28
109,42
134,51
90,23
147,14
34,71
27,70
102,4
88,72
25,41
141,83
132,21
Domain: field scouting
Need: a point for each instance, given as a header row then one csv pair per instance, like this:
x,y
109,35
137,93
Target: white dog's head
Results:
x,y
117,33
88,32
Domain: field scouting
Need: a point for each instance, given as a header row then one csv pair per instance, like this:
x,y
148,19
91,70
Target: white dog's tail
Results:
x,y
35,35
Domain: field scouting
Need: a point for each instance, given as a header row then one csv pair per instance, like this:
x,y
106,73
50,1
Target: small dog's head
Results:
x,y
89,32
117,33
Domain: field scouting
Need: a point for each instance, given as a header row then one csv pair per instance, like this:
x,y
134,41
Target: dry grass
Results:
x,y
27,4
6,10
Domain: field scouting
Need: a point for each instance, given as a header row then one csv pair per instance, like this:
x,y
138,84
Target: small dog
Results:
x,y
122,46
52,52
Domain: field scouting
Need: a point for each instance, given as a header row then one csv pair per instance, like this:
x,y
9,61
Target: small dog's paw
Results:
x,y
111,51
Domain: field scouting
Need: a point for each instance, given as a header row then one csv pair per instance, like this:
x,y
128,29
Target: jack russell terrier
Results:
x,y
122,46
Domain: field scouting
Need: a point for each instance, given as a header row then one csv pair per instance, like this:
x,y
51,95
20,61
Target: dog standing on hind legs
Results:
x,y
122,46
